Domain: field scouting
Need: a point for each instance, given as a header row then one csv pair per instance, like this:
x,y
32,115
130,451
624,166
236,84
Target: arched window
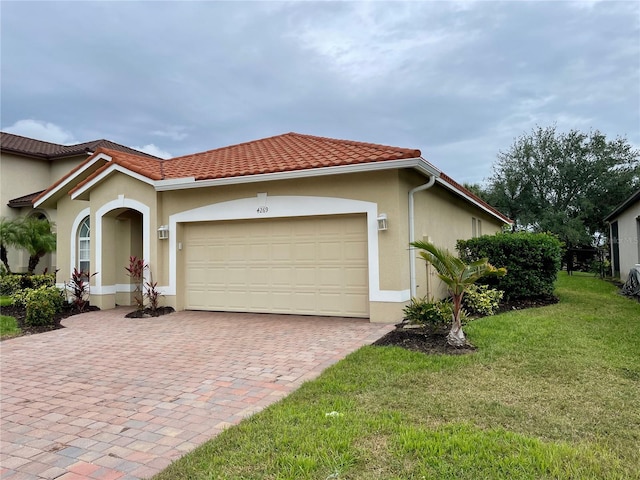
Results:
x,y
84,246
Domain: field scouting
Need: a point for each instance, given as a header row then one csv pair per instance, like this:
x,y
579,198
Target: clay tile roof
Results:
x,y
47,150
24,201
145,166
282,153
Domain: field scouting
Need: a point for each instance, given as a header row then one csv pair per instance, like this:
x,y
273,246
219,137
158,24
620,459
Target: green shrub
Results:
x,y
436,314
19,297
13,282
46,279
532,261
42,304
10,284
482,300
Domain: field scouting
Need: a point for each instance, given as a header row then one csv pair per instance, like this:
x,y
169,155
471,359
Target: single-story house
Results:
x,y
624,236
288,224
27,167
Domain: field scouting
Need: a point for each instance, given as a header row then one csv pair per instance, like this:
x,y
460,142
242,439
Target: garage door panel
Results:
x,y
280,251
330,278
310,265
259,278
305,277
281,277
355,276
259,252
356,251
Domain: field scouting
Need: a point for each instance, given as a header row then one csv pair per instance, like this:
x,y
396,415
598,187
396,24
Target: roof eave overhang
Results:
x,y
468,198
184,183
623,207
67,184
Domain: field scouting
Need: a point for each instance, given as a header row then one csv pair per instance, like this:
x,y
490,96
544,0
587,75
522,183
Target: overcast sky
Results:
x,y
458,80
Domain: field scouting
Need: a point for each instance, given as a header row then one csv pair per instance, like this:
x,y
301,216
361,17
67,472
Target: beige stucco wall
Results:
x,y
68,210
628,232
21,176
379,187
59,167
441,216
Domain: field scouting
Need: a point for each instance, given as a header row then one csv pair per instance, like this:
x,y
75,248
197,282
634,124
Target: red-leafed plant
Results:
x,y
78,288
135,271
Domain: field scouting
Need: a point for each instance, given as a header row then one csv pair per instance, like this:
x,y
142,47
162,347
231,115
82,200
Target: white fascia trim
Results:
x,y
469,199
113,168
120,202
70,179
74,237
282,207
183,183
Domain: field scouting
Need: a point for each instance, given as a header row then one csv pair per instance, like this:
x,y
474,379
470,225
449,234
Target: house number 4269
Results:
x,y
263,209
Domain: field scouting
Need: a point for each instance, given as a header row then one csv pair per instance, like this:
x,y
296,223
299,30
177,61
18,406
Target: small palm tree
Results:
x,y
36,237
458,276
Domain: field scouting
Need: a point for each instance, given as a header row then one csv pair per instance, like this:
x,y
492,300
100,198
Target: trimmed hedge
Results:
x,y
11,283
532,261
42,305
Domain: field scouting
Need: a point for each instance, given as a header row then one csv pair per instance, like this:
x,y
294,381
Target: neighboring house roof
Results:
x,y
259,160
24,201
31,147
623,206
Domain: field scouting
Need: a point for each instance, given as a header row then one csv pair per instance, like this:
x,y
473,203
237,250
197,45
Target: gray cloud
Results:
x,y
459,80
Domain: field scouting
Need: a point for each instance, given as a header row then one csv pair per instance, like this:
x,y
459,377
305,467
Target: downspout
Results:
x,y
412,233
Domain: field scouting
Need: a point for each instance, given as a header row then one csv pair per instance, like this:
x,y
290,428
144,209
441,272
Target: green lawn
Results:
x,y
8,325
552,393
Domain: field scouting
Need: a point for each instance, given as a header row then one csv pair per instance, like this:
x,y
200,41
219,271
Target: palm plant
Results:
x,y
458,276
36,237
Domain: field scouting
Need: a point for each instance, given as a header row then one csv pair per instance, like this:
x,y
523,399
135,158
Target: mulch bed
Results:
x,y
434,341
422,339
19,313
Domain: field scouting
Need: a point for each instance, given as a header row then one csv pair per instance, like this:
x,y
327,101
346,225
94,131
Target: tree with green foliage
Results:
x,y
35,236
458,276
564,183
8,238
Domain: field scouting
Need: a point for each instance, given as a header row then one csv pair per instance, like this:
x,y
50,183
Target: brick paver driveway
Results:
x,y
109,397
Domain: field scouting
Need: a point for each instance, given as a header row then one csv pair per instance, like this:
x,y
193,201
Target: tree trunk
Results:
x,y
4,257
456,336
33,263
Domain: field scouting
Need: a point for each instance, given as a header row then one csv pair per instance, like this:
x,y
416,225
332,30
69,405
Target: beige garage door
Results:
x,y
302,265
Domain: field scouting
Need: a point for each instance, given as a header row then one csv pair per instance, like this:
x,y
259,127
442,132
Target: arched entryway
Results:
x,y
120,233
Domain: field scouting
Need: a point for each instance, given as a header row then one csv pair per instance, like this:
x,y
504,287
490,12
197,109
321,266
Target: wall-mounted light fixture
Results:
x,y
163,232
382,221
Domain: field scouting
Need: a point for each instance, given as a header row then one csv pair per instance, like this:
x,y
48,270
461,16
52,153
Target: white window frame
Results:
x,y
84,252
